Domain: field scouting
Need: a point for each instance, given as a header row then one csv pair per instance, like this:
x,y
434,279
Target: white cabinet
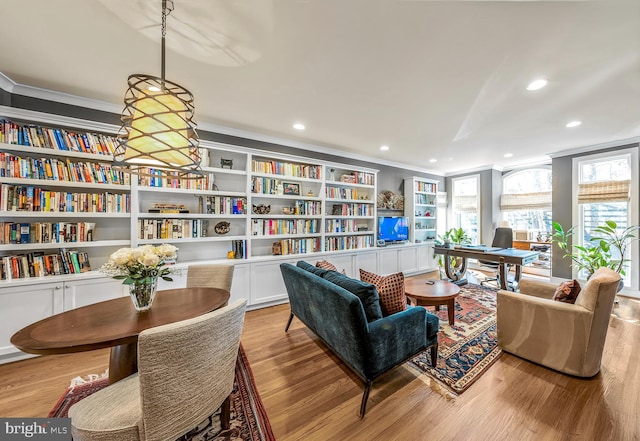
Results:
x,y
421,208
241,287
388,260
366,260
408,260
267,284
79,293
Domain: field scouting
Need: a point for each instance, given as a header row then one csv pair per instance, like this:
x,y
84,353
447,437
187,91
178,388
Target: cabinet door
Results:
x,y
267,284
179,276
24,305
408,259
368,261
79,293
240,287
432,259
388,260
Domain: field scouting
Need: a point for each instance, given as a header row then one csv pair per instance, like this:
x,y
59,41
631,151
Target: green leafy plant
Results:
x,y
607,248
456,236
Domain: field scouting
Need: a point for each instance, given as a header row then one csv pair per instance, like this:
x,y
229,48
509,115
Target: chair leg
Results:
x,y
434,355
225,413
365,397
289,322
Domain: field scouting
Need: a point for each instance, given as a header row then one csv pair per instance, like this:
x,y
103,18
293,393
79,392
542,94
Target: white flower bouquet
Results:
x,y
140,266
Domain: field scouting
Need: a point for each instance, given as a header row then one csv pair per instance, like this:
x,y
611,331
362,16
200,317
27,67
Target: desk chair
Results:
x,y
502,238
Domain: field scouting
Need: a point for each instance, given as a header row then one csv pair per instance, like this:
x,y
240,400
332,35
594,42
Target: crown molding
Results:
x,y
6,83
594,147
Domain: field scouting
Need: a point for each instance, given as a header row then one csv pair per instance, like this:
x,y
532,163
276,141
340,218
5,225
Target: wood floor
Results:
x,y
309,395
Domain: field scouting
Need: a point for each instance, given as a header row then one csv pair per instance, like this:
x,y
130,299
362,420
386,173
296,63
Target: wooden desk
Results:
x,y
115,324
502,257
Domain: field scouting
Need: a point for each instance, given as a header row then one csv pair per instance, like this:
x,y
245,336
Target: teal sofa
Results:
x,y
345,314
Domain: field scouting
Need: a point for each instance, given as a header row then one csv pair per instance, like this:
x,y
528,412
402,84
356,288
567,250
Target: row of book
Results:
x,y
260,185
287,169
358,178
13,166
224,205
270,227
238,249
36,199
45,232
342,226
343,193
426,187
296,246
39,264
307,208
424,199
348,243
59,139
352,210
156,181
172,228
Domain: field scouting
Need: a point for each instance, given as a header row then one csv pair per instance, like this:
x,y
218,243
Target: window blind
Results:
x,y
526,201
606,191
465,204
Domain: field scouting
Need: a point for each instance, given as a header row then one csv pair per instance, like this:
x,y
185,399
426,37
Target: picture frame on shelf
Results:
x,y
290,188
226,163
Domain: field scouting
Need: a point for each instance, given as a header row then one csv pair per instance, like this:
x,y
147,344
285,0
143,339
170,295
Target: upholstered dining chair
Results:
x,y
210,276
567,337
185,373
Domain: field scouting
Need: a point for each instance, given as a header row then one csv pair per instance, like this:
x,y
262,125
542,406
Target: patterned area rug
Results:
x,y
249,421
468,348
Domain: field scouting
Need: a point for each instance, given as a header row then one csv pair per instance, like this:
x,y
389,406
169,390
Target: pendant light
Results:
x,y
158,135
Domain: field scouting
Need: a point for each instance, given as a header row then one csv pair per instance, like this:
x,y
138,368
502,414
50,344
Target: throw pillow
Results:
x,y
312,269
366,292
390,290
567,292
324,264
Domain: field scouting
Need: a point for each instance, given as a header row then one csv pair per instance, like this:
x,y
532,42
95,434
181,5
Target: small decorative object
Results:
x,y
349,179
292,189
231,255
226,163
261,209
222,227
332,174
310,193
288,210
387,199
279,189
212,179
336,210
140,268
276,249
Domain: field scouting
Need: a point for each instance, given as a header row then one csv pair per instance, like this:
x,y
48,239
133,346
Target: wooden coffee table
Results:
x,y
441,292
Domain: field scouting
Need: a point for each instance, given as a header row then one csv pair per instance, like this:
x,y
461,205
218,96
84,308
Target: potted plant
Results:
x,y
455,236
608,247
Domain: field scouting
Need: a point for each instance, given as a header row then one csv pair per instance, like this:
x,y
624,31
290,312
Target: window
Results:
x,y
526,200
466,202
605,189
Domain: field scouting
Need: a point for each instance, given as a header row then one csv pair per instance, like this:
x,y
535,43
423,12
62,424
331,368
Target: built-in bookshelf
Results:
x,y
421,208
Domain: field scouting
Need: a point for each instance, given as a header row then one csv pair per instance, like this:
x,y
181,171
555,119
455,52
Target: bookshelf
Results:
x,y
421,208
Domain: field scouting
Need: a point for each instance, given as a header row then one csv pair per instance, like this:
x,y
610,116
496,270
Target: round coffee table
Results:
x,y
441,292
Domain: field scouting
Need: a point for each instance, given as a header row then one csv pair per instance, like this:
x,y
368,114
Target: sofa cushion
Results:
x,y
588,297
325,264
312,269
366,292
567,292
390,290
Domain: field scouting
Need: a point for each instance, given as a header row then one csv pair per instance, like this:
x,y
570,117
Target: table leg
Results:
x,y
123,361
455,273
503,274
451,311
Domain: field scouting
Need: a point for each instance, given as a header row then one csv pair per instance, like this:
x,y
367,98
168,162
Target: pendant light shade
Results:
x,y
158,129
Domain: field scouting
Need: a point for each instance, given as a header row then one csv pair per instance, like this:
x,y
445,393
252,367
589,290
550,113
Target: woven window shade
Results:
x,y
607,191
526,201
465,204
441,200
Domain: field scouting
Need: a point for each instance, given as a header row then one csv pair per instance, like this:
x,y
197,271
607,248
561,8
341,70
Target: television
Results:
x,y
393,228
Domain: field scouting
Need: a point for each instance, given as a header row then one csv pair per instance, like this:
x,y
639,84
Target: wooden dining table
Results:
x,y
115,324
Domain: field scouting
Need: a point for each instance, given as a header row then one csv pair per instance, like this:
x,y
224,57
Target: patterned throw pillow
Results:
x,y
390,289
567,292
326,265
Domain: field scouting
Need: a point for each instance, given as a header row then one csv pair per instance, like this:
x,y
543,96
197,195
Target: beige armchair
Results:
x,y
210,276
562,336
185,373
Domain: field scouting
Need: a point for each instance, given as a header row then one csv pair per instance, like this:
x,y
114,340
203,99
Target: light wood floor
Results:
x,y
309,395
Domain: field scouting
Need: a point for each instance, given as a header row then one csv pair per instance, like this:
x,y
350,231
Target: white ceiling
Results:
x,y
431,79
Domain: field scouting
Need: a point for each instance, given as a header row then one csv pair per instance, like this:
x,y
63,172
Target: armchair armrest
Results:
x,y
395,338
551,333
537,288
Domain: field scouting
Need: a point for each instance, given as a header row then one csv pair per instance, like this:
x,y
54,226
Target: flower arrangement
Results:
x,y
140,266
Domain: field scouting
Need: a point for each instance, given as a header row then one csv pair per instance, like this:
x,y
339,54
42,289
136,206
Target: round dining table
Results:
x,y
115,324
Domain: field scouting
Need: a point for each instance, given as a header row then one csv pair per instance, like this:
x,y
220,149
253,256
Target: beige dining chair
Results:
x,y
185,373
210,276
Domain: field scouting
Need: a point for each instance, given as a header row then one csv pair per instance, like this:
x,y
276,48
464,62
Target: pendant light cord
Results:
x,y
166,10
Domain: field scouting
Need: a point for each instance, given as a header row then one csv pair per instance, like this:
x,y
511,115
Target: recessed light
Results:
x,y
574,124
508,155
537,84
384,148
299,126
433,160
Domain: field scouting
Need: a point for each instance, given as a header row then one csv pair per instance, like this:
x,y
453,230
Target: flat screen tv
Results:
x,y
393,228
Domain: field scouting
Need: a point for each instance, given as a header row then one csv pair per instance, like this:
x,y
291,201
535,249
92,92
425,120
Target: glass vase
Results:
x,y
142,294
